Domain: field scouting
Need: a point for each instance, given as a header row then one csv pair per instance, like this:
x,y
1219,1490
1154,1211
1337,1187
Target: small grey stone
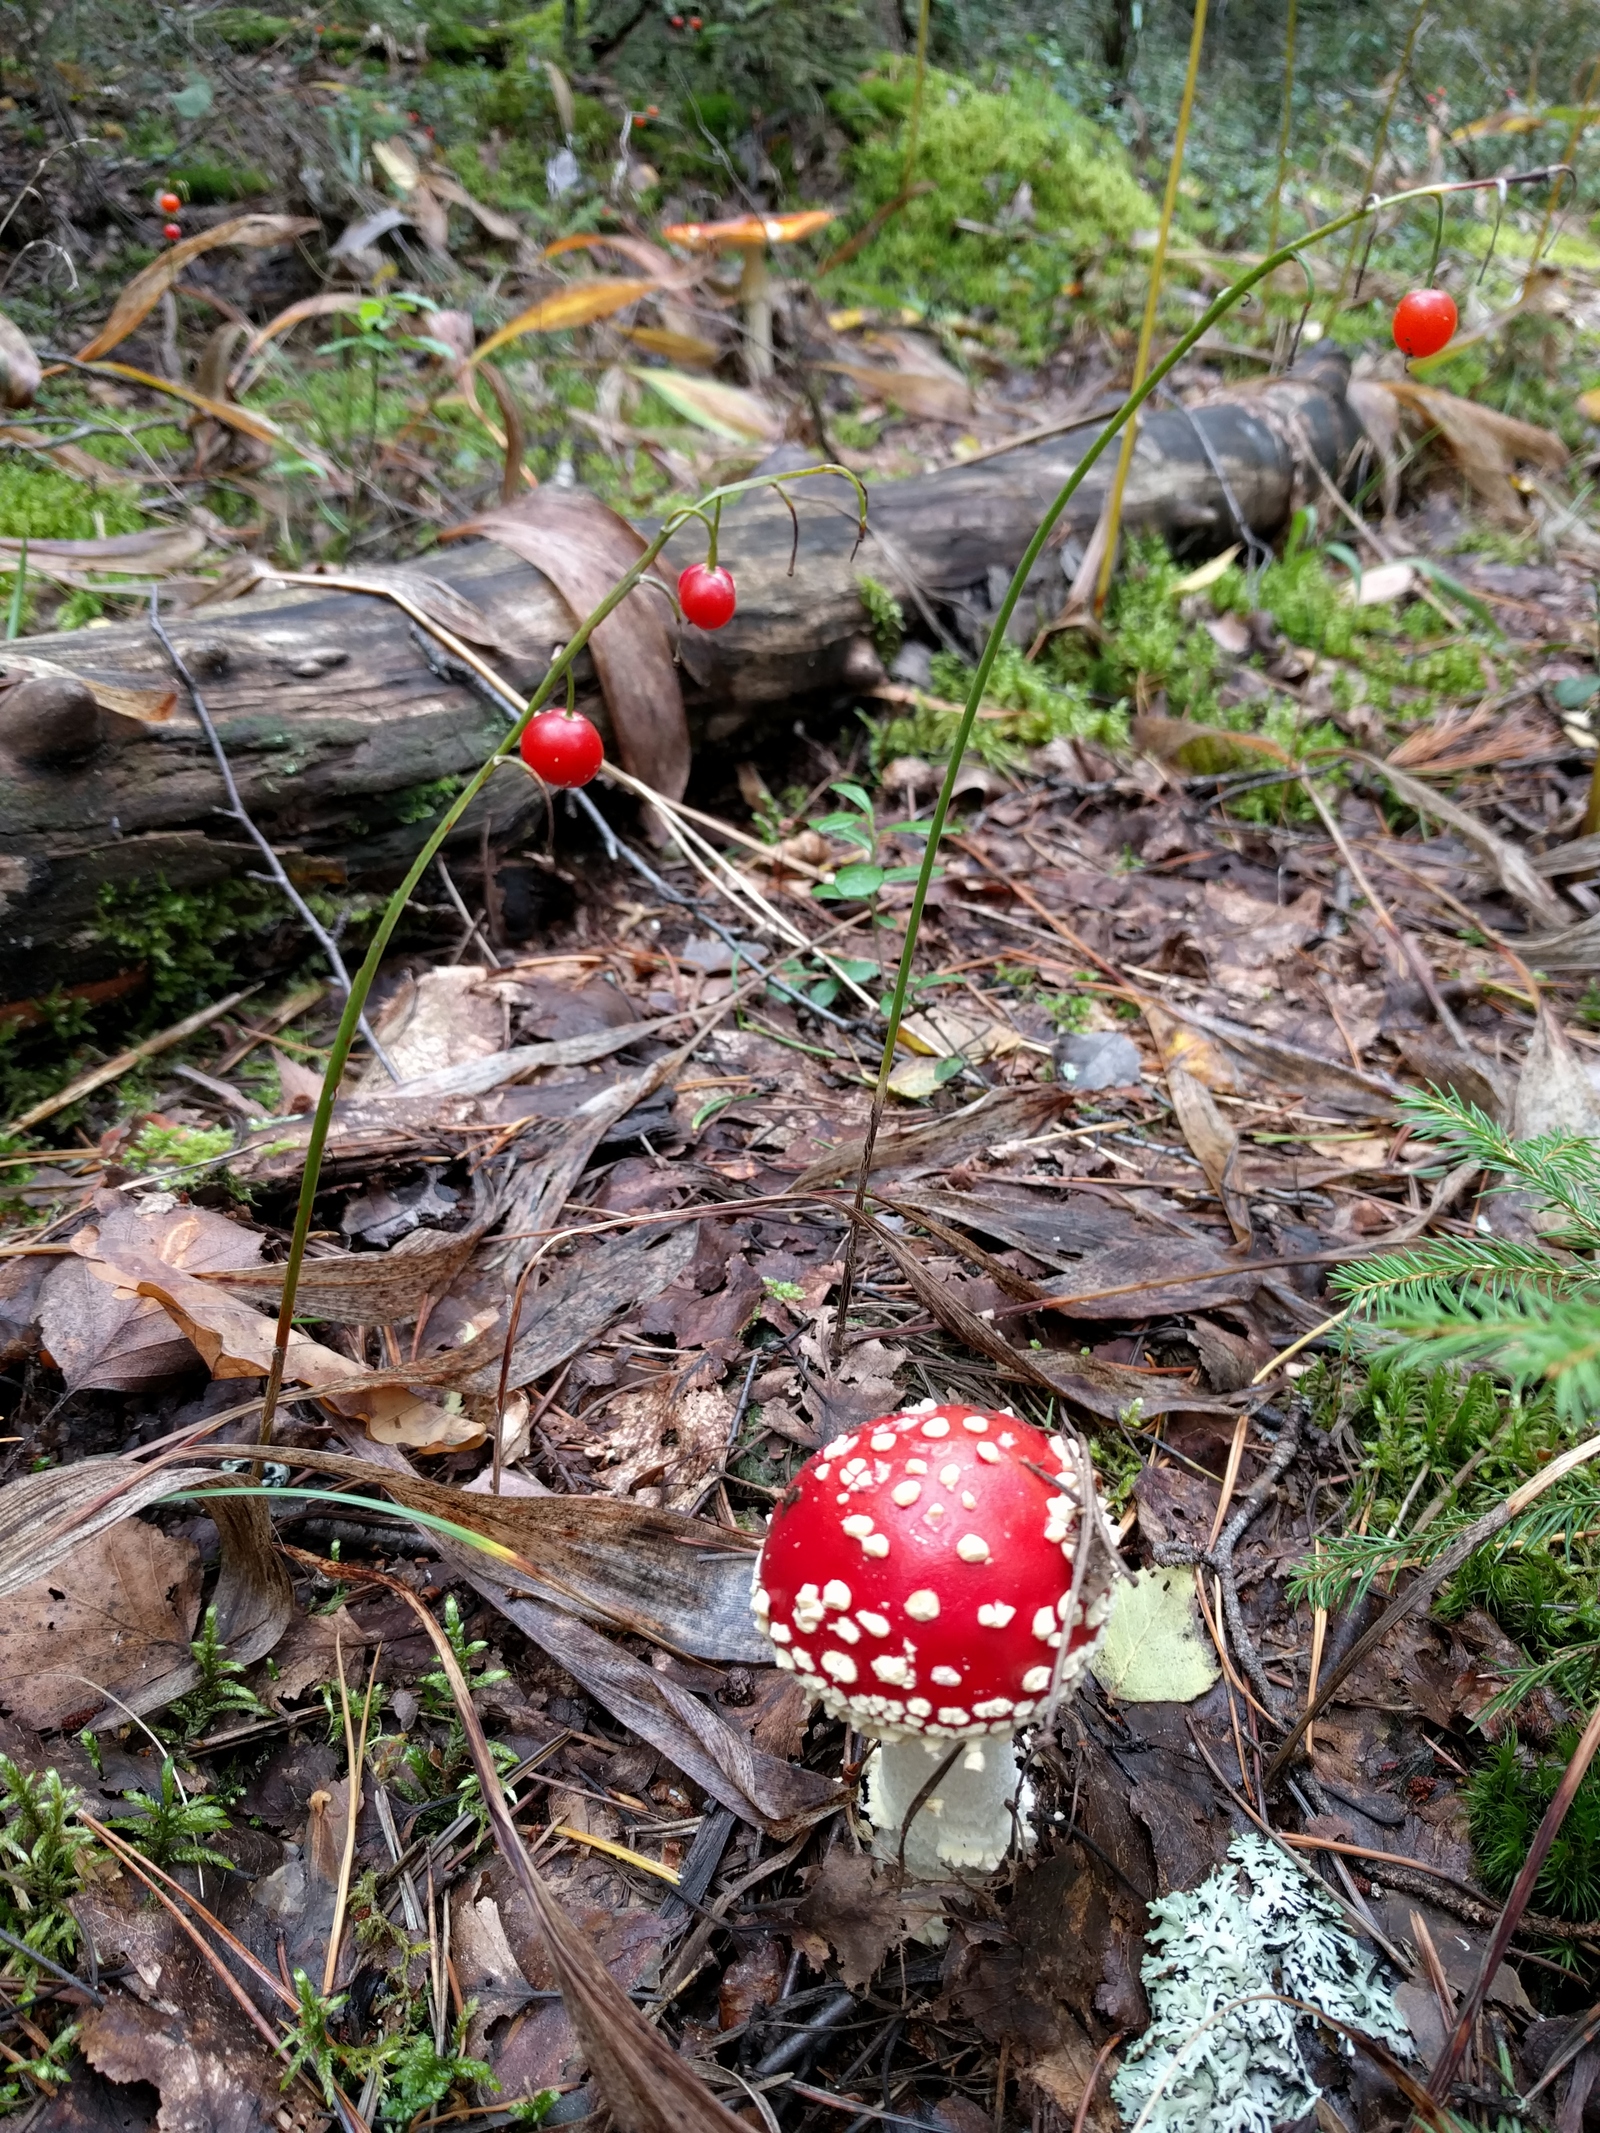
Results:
x,y
1096,1059
913,665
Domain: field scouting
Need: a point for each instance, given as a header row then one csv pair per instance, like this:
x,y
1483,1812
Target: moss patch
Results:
x,y
977,148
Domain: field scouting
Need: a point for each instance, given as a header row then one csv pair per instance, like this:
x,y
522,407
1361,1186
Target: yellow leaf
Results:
x,y
675,347
1589,404
1208,573
1152,1651
725,410
579,305
146,289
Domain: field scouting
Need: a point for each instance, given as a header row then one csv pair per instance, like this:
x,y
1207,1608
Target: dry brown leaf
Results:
x,y
232,417
1213,1141
491,219
675,347
154,554
660,265
114,1616
855,1908
442,1019
583,548
730,411
236,1342
1204,750
664,1440
924,398
325,305
113,1340
1486,445
19,366
147,287
70,458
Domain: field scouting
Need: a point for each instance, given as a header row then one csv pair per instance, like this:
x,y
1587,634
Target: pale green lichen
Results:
x,y
1259,1926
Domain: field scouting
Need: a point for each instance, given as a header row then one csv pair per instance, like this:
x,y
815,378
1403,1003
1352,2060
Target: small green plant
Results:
x,y
220,1688
443,1771
49,2066
44,1849
859,880
170,1827
1506,1800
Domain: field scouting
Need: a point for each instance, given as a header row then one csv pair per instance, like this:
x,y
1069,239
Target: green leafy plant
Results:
x,y
859,880
1528,1310
220,1688
442,1770
170,1827
885,617
44,1849
49,2066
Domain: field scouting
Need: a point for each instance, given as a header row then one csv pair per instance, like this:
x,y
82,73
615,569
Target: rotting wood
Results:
x,y
337,719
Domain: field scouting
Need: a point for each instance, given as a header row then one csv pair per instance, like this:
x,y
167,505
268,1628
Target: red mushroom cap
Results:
x,y
916,1573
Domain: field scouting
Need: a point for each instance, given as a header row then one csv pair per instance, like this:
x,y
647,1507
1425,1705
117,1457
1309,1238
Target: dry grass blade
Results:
x,y
580,305
1512,868
43,1516
1516,1905
644,2084
114,1069
1427,1582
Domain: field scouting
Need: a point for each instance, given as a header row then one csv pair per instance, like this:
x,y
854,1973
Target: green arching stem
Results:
x,y
1218,310
1378,146
345,1035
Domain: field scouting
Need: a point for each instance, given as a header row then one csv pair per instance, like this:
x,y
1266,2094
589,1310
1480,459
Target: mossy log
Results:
x,y
342,734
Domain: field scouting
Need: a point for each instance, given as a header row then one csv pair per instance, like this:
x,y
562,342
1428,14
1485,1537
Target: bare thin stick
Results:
x,y
356,1759
1516,1904
114,1069
236,808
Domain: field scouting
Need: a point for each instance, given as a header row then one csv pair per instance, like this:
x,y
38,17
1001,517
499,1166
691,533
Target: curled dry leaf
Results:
x,y
729,411
580,305
1487,445
145,291
583,549
19,366
324,305
111,1339
1511,867
923,397
242,419
236,1342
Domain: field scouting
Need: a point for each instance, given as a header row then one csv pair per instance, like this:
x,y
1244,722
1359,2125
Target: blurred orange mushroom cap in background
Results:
x,y
752,234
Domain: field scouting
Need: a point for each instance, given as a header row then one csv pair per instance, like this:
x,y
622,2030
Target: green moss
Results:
x,y
1042,708
1506,1801
247,29
39,501
206,181
885,617
180,1150
977,147
189,940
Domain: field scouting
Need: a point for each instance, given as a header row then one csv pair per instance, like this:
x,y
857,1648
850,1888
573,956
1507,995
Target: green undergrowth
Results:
x,y
977,147
1506,1800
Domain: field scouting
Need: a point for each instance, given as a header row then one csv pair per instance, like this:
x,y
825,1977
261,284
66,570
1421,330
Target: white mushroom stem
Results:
x,y
967,1820
755,300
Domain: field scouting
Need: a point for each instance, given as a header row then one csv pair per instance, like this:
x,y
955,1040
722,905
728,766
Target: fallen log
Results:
x,y
345,734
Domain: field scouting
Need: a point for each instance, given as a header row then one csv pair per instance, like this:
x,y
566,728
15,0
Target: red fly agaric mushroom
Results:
x,y
751,235
928,1577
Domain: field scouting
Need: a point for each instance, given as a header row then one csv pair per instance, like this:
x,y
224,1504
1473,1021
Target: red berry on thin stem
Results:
x,y
706,595
562,747
1424,322
172,231
169,203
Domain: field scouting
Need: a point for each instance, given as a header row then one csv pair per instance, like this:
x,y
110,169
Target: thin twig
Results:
x,y
236,808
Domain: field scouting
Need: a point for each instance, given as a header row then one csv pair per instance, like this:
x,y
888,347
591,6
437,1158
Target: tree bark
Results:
x,y
337,725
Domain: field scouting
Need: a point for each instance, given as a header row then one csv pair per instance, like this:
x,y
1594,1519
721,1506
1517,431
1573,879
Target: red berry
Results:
x,y
172,230
706,595
1424,322
169,203
695,22
677,22
562,747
